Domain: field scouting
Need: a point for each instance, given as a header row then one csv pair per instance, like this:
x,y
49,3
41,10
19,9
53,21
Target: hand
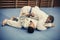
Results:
x,y
12,18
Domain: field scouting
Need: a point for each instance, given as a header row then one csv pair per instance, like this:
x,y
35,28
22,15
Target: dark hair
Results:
x,y
30,21
51,18
30,30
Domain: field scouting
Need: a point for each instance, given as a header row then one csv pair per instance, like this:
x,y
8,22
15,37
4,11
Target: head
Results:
x,y
30,21
50,19
30,30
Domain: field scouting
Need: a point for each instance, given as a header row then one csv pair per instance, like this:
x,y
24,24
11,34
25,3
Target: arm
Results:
x,y
40,26
49,25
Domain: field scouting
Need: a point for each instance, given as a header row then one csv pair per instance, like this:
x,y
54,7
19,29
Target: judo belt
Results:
x,y
30,12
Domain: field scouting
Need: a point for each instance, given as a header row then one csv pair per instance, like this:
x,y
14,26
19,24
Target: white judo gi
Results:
x,y
25,21
41,18
22,19
25,10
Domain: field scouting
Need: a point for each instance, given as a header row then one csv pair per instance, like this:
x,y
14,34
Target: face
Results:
x,y
48,20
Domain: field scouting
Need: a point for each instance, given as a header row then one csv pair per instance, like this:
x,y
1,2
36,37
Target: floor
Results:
x,y
10,33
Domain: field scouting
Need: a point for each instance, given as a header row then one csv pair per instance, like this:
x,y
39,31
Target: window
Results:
x,y
21,3
7,3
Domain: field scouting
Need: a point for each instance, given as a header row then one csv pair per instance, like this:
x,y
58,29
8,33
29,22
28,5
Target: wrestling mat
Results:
x,y
10,33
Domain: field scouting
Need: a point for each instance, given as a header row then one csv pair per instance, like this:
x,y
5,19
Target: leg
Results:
x,y
5,20
12,23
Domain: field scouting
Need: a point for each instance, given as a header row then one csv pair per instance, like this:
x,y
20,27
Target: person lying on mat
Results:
x,y
43,19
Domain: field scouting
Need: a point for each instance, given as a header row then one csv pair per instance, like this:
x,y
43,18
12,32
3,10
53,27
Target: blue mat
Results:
x,y
10,33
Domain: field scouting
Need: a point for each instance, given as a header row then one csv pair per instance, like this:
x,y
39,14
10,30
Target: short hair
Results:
x,y
30,21
51,18
30,30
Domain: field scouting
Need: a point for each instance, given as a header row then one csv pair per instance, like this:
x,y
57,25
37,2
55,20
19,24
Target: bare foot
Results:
x,y
4,22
